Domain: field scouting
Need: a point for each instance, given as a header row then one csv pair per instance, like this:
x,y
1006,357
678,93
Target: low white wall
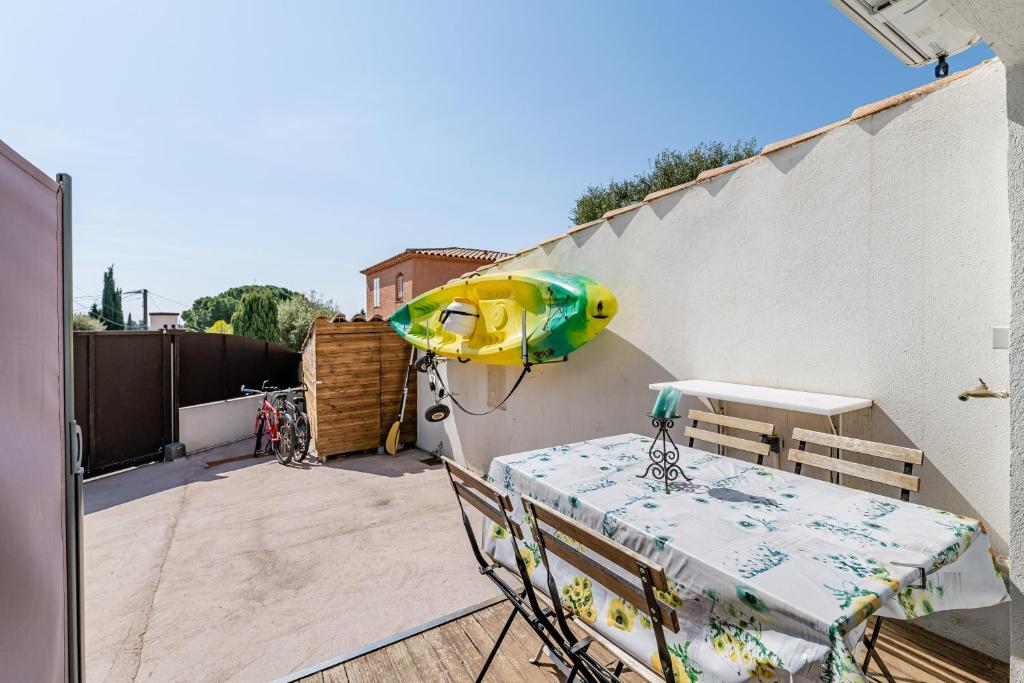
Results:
x,y
872,261
212,424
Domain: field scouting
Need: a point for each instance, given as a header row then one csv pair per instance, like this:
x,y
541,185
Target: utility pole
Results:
x,y
145,306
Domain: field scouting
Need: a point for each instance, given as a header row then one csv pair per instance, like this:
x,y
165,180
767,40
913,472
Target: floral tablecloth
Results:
x,y
773,574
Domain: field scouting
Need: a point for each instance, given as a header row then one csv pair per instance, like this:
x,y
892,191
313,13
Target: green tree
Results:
x,y
256,316
111,311
668,169
295,315
221,327
207,310
81,322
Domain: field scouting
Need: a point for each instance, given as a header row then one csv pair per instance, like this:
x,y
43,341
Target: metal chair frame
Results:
x,y
474,490
908,456
650,575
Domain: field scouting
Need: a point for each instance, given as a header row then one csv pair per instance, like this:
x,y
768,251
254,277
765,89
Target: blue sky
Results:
x,y
214,144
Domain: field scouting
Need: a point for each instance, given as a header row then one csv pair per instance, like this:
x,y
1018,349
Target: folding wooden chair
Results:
x,y
496,506
768,443
650,576
906,481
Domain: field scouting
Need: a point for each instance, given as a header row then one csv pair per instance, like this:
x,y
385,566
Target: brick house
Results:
x,y
396,280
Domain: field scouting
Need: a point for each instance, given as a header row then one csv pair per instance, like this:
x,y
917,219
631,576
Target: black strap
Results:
x,y
526,369
445,313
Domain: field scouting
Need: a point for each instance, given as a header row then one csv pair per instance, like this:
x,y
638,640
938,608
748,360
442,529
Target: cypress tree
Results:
x,y
110,308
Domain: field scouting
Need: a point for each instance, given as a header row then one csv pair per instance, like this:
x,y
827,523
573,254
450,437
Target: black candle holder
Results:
x,y
665,460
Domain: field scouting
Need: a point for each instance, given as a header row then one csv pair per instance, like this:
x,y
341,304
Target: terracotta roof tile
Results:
x,y
583,226
797,139
552,239
895,100
461,252
667,191
502,260
455,253
712,172
621,210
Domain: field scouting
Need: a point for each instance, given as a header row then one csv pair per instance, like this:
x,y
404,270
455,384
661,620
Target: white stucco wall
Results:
x,y
1015,165
212,424
1001,25
869,261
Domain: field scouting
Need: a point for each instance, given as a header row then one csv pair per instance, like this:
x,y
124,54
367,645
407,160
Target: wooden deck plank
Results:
x,y
382,670
423,660
512,662
909,635
359,671
922,665
447,654
521,640
528,641
335,675
454,652
471,658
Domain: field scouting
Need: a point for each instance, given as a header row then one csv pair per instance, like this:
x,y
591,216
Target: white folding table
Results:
x,y
829,406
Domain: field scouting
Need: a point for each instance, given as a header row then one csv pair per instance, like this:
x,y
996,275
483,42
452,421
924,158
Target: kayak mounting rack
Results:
x,y
438,412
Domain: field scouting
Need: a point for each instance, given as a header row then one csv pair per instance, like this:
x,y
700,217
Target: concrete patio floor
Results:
x,y
248,571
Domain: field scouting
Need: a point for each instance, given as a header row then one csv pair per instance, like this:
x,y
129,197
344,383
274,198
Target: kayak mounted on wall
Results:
x,y
522,317
480,318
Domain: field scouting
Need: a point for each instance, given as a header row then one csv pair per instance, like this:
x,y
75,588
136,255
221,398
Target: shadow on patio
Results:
x,y
250,570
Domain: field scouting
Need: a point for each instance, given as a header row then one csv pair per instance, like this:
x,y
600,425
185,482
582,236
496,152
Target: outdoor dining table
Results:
x,y
773,575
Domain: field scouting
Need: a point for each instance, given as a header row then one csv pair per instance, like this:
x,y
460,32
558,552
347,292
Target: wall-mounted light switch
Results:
x,y
1000,337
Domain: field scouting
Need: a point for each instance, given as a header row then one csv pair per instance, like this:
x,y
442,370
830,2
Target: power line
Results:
x,y
105,320
165,298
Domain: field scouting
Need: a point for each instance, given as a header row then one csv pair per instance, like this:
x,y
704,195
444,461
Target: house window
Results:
x,y
399,287
376,292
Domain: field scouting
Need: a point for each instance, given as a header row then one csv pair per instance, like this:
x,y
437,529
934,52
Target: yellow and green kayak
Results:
x,y
563,312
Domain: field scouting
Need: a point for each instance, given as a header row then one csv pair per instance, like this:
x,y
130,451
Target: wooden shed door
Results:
x,y
348,396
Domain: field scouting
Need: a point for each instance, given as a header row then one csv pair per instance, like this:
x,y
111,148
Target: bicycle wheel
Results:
x,y
301,429
284,445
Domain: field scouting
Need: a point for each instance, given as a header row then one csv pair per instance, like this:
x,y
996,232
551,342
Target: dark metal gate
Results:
x,y
129,386
124,397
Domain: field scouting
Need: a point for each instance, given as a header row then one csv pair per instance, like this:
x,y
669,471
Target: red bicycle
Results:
x,y
275,422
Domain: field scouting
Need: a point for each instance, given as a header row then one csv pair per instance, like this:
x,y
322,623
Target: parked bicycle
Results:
x,y
293,402
274,421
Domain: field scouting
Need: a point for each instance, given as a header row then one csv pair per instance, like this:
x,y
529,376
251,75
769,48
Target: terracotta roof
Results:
x,y
622,209
454,253
858,113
